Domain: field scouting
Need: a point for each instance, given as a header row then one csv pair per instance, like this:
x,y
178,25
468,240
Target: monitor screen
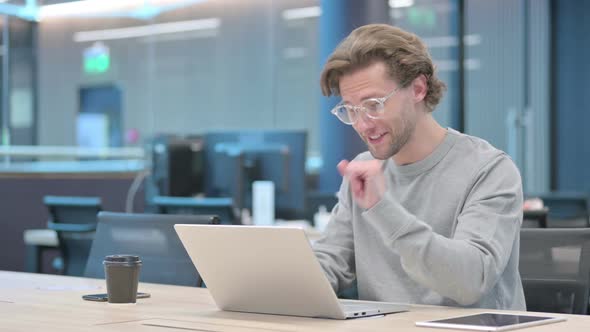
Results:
x,y
235,159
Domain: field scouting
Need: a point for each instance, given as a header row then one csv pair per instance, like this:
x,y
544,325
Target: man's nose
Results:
x,y
363,122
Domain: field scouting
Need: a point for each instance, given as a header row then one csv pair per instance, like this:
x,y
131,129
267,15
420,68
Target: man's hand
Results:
x,y
367,182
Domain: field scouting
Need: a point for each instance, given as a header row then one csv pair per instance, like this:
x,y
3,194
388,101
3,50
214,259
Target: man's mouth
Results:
x,y
376,139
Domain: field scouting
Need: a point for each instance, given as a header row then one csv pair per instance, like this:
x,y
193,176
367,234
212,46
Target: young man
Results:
x,y
428,215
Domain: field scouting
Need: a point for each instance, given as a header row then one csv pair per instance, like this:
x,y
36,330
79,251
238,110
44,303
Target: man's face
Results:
x,y
388,134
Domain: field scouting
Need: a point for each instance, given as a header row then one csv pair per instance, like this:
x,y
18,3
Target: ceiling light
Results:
x,y
401,3
147,30
102,7
301,13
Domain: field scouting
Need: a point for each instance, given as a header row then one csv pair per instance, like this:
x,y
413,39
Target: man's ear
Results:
x,y
420,87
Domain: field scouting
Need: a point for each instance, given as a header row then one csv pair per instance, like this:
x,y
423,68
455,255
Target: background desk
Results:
x,y
21,202
37,302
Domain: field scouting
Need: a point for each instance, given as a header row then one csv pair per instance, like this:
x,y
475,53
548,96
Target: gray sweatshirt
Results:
x,y
446,232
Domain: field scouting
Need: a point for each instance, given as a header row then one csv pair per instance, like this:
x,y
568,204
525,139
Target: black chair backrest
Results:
x,y
74,220
566,209
150,236
223,207
555,269
535,218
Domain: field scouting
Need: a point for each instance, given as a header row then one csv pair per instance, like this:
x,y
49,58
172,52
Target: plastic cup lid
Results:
x,y
122,259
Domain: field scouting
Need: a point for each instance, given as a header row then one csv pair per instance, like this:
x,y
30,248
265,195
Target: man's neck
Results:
x,y
427,135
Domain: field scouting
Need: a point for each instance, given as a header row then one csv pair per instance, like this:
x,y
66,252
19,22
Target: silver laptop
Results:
x,y
270,270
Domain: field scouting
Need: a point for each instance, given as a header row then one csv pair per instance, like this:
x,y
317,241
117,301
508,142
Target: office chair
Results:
x,y
566,209
150,236
223,207
74,221
535,218
555,269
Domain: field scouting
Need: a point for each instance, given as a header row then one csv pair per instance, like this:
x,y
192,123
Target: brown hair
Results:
x,y
403,52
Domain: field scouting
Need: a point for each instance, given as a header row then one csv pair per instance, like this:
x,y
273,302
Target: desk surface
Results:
x,y
36,302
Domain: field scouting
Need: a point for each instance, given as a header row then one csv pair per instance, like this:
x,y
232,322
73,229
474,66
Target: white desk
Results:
x,y
45,303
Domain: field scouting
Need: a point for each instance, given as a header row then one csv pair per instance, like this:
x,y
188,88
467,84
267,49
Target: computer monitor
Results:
x,y
176,166
235,159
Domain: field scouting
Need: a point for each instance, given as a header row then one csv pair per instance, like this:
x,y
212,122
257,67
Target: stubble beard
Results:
x,y
403,131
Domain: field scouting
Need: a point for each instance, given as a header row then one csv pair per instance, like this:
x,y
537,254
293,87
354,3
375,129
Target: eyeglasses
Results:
x,y
372,107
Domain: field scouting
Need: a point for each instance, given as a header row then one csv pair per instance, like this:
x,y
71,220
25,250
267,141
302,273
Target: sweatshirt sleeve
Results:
x,y
335,250
466,266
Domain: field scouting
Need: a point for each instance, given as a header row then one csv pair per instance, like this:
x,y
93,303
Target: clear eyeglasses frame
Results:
x,y
372,107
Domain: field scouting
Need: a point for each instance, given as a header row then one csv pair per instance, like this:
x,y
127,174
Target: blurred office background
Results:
x,y
104,94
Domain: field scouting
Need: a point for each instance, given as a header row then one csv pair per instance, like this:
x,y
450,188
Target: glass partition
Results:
x,y
205,66
116,74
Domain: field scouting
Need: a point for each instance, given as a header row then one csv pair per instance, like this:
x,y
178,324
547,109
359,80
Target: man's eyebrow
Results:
x,y
365,97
